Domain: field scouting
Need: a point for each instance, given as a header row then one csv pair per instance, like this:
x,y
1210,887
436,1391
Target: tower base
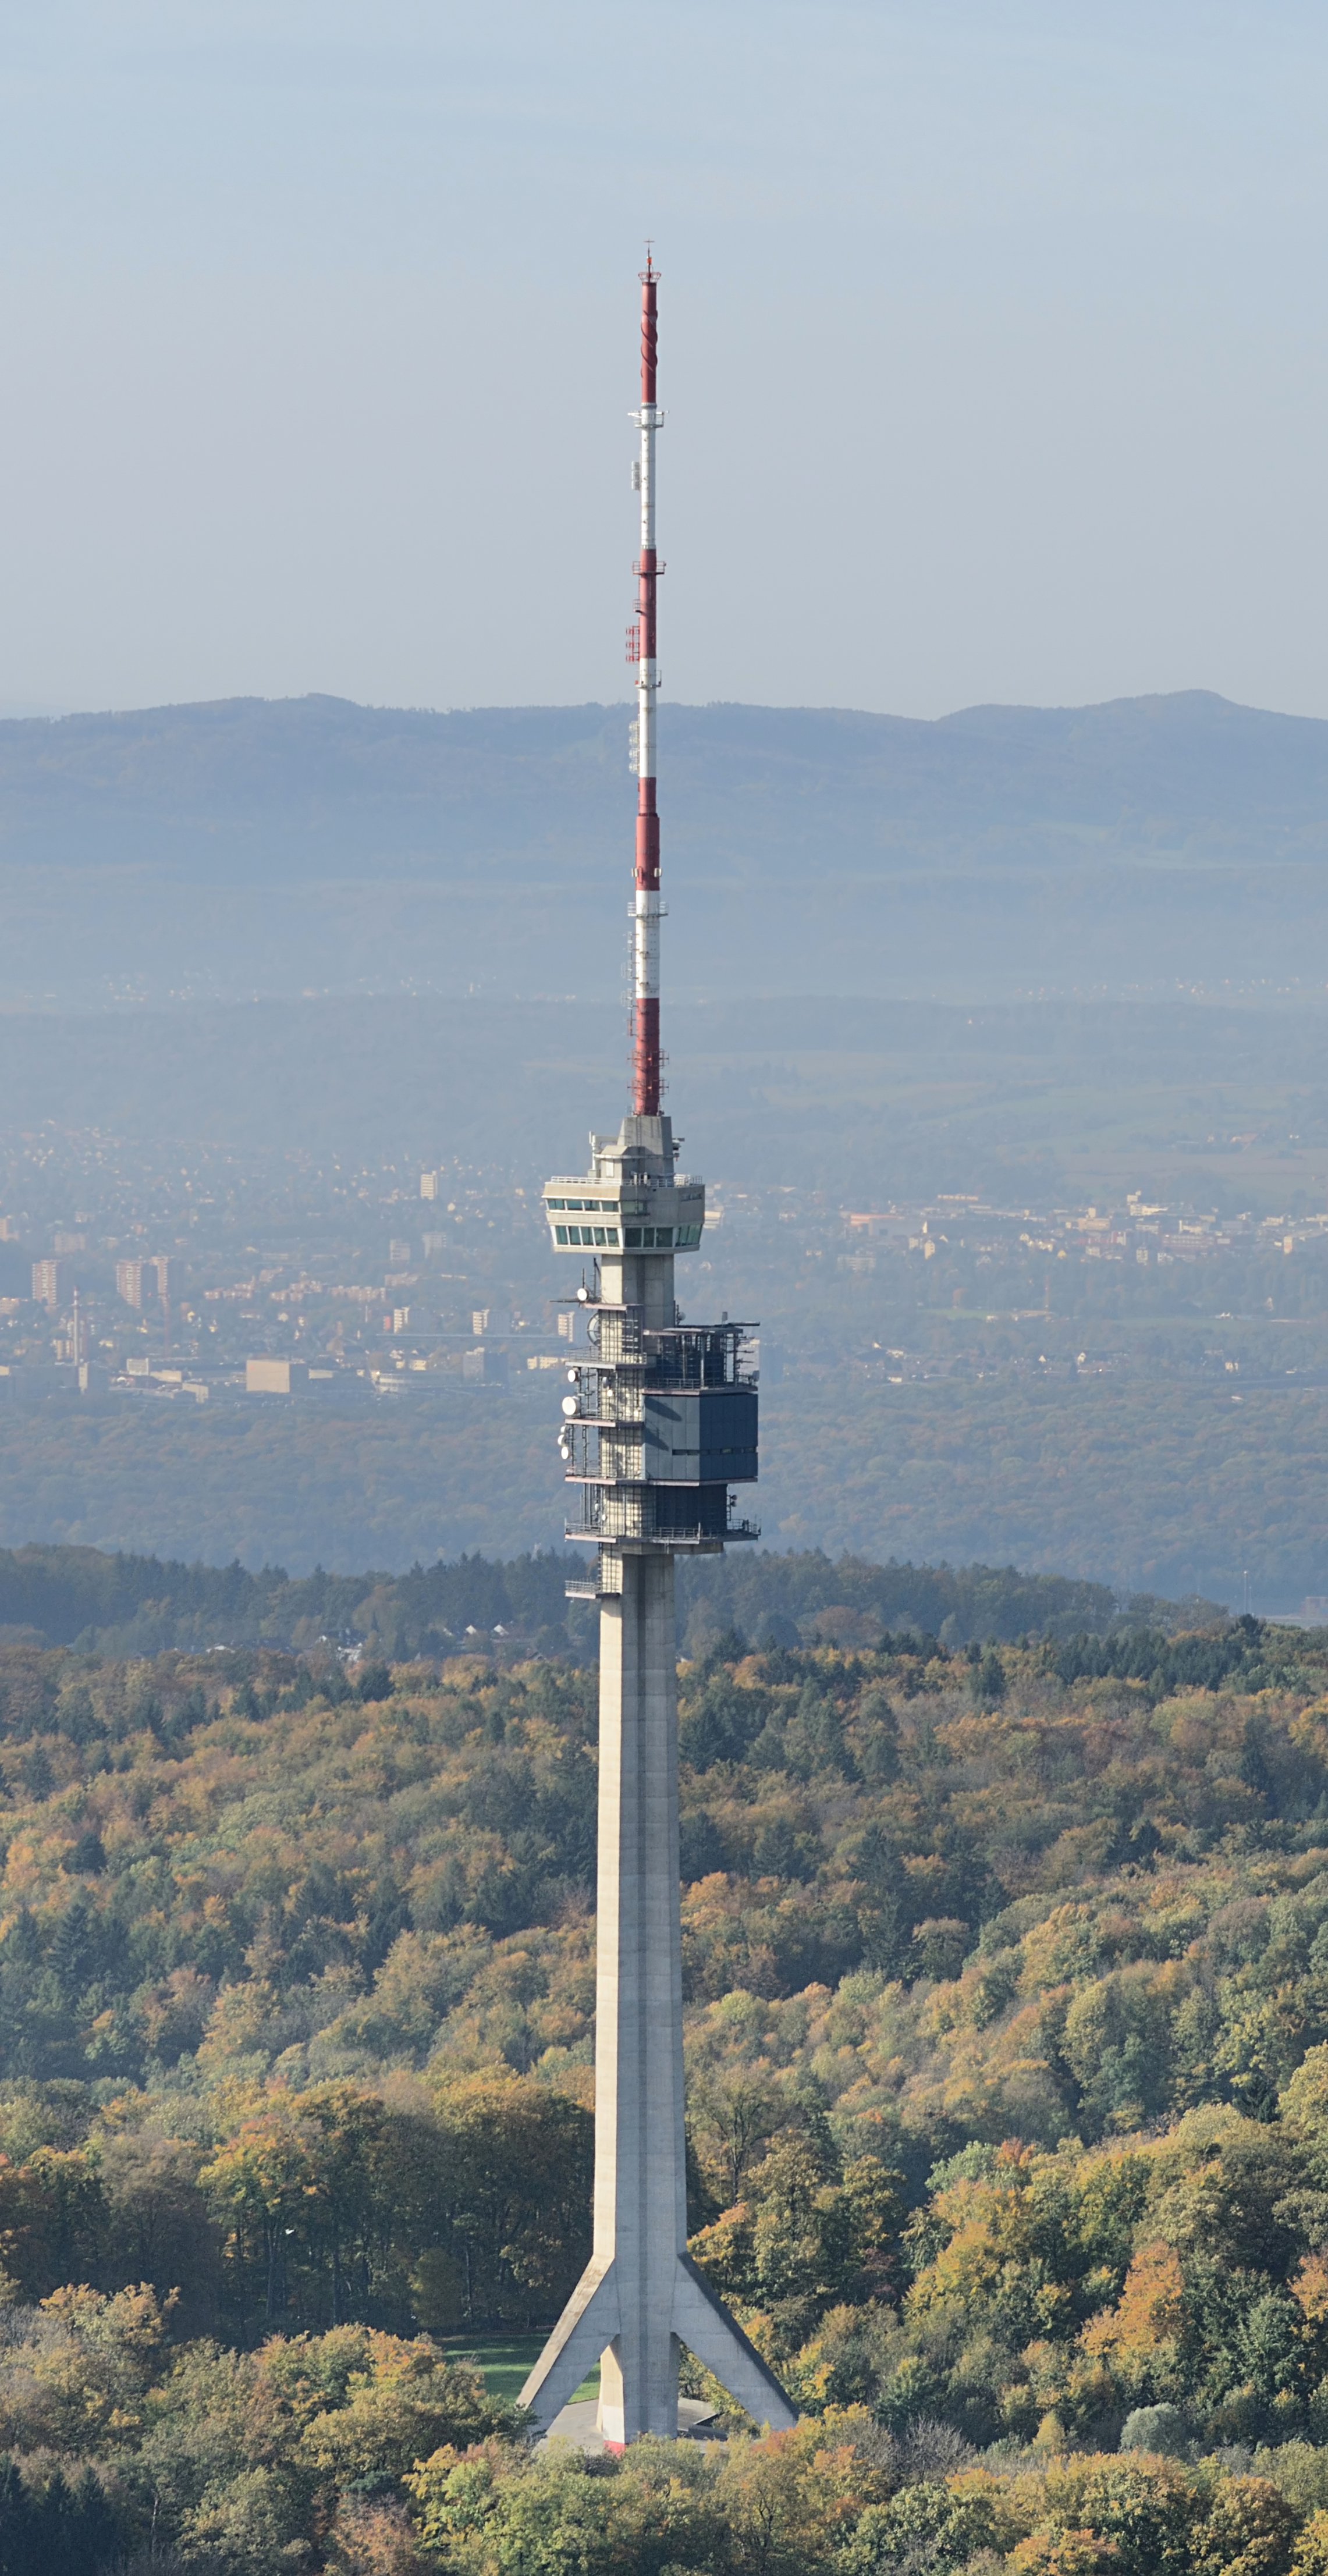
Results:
x,y
590,2328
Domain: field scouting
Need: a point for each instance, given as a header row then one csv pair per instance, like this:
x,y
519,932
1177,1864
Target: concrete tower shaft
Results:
x,y
641,2297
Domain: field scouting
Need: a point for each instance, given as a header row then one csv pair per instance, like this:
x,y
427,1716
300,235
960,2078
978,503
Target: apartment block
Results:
x,y
52,1282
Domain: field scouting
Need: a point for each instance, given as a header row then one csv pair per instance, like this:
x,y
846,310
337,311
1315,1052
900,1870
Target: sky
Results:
x,y
992,344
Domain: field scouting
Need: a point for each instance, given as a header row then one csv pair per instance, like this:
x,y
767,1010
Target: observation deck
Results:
x,y
662,1418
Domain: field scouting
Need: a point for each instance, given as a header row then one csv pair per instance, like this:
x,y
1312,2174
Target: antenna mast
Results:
x,y
642,650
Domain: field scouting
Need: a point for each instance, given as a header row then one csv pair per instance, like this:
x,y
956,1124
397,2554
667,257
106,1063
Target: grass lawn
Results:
x,y
504,2360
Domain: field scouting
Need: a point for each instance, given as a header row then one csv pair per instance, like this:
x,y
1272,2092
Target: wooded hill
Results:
x,y
1008,2063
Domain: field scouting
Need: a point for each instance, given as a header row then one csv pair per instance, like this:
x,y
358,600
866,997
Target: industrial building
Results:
x,y
275,1377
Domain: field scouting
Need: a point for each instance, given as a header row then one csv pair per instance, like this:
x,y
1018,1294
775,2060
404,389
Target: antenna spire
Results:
x,y
642,647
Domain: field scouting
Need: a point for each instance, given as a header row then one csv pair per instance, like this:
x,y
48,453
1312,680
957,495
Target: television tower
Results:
x,y
659,1423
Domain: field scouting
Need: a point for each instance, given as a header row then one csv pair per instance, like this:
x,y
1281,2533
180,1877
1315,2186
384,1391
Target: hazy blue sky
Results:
x,y
993,344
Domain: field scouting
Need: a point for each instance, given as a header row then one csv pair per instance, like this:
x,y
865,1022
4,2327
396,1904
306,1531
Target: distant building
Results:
x,y
484,1368
492,1319
398,1253
63,1241
401,1319
433,1244
428,1185
138,1282
52,1282
275,1377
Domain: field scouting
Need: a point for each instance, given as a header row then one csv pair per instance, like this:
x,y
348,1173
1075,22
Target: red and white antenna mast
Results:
x,y
642,648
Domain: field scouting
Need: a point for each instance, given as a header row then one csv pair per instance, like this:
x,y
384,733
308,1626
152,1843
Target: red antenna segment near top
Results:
x,y
642,649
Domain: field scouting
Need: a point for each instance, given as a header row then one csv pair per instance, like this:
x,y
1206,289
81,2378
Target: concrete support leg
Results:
x,y
640,2168
591,2313
703,2323
639,2270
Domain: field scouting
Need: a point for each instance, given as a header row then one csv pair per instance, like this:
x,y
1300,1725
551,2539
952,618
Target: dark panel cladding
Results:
x,y
701,1438
697,1510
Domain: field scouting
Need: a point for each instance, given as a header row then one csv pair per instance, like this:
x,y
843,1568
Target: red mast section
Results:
x,y
642,649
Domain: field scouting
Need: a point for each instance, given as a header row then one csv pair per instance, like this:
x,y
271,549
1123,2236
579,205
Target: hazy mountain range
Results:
x,y
311,844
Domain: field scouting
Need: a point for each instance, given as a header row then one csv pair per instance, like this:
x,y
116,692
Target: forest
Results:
x,y
124,1604
1007,2027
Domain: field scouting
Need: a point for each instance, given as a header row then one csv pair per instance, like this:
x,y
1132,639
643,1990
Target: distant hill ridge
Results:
x,y
309,845
318,786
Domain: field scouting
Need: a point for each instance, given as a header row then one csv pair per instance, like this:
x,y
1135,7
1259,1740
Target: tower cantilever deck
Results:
x,y
660,1424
